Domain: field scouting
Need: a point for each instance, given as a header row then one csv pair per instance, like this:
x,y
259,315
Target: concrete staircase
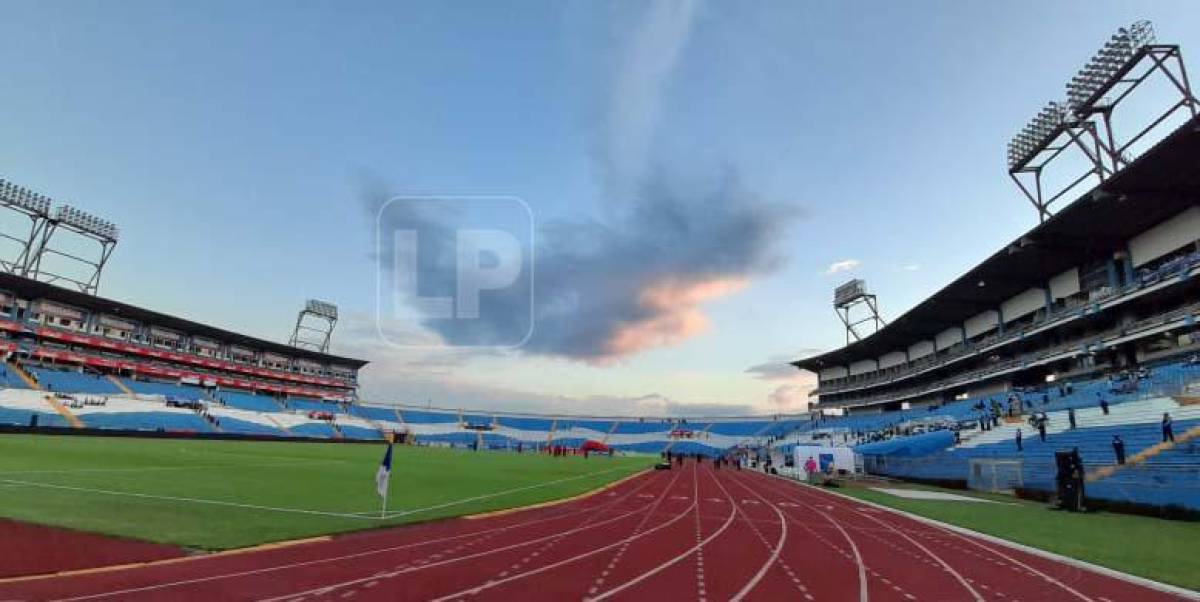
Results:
x,y
62,410
1107,471
24,376
119,385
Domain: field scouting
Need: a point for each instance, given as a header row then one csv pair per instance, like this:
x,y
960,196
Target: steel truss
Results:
x,y
314,326
1088,126
845,312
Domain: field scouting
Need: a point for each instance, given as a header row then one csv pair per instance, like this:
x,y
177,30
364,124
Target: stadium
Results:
x,y
146,456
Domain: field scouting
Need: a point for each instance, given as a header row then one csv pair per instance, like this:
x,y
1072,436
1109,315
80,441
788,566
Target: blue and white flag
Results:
x,y
384,472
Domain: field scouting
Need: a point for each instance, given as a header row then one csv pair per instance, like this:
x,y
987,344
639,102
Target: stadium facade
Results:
x,y
76,362
59,327
1106,284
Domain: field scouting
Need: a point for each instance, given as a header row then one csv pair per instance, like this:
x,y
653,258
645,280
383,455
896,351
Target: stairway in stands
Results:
x,y
1141,457
120,385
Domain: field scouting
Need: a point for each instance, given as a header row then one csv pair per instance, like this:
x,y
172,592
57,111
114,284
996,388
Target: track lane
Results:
x,y
691,534
658,576
993,571
227,575
566,577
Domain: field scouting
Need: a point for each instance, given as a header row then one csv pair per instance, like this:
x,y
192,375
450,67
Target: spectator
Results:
x,y
1103,404
1019,446
1071,417
1042,427
1167,431
1119,449
810,467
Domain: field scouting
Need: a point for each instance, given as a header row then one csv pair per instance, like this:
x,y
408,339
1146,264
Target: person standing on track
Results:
x,y
810,467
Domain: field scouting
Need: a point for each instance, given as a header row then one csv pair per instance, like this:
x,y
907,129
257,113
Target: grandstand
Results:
x,y
1088,320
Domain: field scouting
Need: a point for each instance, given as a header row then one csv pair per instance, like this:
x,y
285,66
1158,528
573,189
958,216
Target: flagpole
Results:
x,y
383,509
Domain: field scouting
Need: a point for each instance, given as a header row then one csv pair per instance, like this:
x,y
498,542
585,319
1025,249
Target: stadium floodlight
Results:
x,y
1040,130
314,325
322,308
1099,72
24,199
86,222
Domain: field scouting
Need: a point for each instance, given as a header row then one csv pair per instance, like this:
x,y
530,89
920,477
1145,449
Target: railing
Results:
x,y
1072,311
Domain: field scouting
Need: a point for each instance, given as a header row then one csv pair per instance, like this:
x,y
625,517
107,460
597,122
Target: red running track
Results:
x,y
693,533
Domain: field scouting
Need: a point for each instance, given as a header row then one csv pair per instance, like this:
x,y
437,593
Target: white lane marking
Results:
x,y
306,563
1066,560
949,569
680,557
750,585
862,567
530,542
1048,578
572,559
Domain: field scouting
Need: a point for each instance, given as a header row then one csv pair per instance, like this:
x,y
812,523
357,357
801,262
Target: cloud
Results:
x,y
608,289
910,267
648,59
789,398
669,240
844,265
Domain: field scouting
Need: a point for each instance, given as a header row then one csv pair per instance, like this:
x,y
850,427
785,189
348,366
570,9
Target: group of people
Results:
x,y
1039,421
76,402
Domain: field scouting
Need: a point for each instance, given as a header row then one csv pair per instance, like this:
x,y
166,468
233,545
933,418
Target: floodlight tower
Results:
x,y
83,226
30,205
853,295
314,325
1085,120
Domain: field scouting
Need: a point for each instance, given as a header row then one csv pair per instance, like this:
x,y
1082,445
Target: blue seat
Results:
x,y
63,381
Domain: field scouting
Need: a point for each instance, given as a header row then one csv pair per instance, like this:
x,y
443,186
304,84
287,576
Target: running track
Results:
x,y
693,533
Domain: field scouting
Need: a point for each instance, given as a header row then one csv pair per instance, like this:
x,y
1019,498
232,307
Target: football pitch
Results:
x,y
215,495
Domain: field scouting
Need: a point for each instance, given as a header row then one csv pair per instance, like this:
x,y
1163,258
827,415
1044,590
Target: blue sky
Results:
x,y
235,142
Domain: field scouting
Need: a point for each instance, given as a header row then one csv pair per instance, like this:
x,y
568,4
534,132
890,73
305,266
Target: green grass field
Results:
x,y
1163,550
215,495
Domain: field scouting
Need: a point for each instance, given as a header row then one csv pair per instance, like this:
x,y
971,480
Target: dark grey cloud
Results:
x,y
604,288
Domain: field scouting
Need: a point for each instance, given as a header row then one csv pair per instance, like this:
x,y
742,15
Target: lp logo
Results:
x,y
461,267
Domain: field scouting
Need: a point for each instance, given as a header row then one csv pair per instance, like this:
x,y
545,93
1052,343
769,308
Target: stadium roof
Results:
x,y
1159,184
34,289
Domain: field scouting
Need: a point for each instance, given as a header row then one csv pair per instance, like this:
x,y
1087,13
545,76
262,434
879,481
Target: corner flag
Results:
x,y
384,472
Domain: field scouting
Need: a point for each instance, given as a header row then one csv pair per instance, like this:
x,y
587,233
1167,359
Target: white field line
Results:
x,y
190,500
371,515
486,495
328,559
138,469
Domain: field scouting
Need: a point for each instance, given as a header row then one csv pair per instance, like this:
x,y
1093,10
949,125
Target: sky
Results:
x,y
684,182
